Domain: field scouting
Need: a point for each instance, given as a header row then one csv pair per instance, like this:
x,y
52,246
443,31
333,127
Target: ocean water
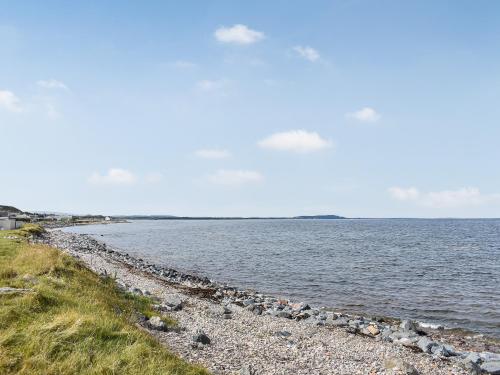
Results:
x,y
437,271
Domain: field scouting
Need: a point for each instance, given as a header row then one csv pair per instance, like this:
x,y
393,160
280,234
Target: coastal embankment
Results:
x,y
233,331
58,317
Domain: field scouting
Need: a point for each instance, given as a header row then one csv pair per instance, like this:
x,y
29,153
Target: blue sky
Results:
x,y
357,108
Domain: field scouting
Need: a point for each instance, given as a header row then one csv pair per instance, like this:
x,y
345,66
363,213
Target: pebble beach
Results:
x,y
231,331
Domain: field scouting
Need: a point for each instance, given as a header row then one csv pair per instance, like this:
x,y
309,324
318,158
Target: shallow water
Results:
x,y
439,271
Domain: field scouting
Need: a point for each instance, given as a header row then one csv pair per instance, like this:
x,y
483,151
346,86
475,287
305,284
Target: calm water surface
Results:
x,y
439,271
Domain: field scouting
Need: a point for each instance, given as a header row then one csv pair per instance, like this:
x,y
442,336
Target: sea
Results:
x,y
437,271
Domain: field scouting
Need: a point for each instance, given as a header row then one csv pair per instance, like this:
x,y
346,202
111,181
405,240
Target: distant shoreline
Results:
x,y
168,217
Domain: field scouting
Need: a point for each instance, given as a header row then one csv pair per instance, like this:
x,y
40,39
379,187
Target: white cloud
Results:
x,y
114,176
212,154
404,194
238,34
300,141
52,84
366,114
307,53
153,177
9,101
466,196
455,198
235,177
211,85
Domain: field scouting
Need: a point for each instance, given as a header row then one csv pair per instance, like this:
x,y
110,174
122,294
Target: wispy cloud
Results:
x,y
404,194
9,101
300,141
114,176
52,84
466,196
212,154
235,177
238,34
365,114
307,53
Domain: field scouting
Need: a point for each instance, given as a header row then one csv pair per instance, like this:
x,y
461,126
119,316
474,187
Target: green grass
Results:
x,y
73,322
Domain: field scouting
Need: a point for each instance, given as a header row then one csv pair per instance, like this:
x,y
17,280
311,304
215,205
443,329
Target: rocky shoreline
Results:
x,y
235,331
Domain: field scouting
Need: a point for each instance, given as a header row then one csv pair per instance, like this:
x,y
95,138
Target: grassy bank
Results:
x,y
71,321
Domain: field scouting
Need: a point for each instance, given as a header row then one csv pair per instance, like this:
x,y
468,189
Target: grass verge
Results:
x,y
72,321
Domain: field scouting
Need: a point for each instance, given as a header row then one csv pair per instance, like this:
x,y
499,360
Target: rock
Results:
x,y
471,367
451,350
491,367
283,314
314,321
386,335
299,306
247,370
249,301
197,345
440,351
473,357
136,291
174,301
408,325
488,356
407,342
156,323
201,337
352,329
250,307
257,310
426,344
121,286
302,316
398,366
340,322
218,294
30,279
283,334
227,316
355,323
373,330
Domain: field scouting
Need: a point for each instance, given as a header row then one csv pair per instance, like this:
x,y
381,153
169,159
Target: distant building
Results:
x,y
107,218
10,222
7,223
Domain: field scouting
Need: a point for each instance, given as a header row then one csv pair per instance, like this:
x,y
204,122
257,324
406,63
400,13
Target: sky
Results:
x,y
223,108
